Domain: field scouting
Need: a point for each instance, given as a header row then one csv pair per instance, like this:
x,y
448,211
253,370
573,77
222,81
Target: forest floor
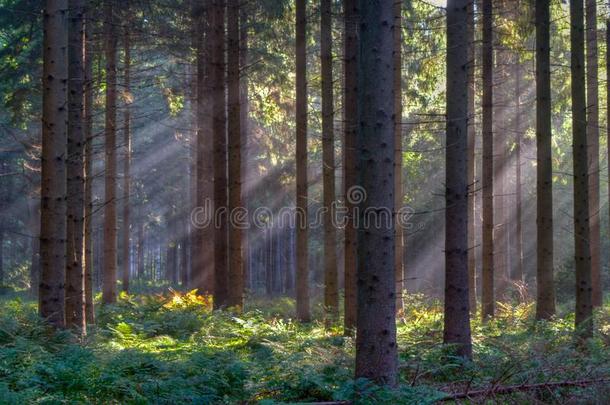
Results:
x,y
172,349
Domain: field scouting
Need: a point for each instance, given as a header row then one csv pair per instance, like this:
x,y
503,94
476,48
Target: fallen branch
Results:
x,y
509,389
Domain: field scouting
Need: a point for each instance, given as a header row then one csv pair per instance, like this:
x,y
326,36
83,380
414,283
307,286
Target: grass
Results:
x,y
172,348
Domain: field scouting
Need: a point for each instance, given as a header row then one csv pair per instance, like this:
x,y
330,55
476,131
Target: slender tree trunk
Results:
x,y
302,277
219,126
500,105
184,247
376,353
545,301
593,142
54,151
607,106
88,222
141,262
331,294
582,253
517,274
236,262
202,250
487,287
457,308
471,160
126,158
244,118
398,189
74,294
350,119
34,208
109,292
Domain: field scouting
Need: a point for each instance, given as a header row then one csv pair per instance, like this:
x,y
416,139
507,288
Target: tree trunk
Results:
x,y
350,119
607,105
472,268
593,153
184,246
487,287
500,105
244,118
221,292
202,249
545,301
126,158
34,212
582,253
398,189
109,292
141,262
236,262
88,222
331,294
517,274
302,277
376,354
75,299
457,308
53,159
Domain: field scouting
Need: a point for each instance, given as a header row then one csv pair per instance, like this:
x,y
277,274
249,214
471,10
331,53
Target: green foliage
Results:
x,y
173,348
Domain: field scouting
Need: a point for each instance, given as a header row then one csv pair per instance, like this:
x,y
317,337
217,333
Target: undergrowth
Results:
x,y
172,348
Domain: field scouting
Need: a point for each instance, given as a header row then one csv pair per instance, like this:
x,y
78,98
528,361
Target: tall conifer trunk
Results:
x,y
545,301
376,351
302,276
331,293
487,285
75,299
54,151
109,290
582,252
457,306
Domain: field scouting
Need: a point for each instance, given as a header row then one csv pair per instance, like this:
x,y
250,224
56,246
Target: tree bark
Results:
x,y
141,268
244,127
128,99
582,253
331,294
302,277
88,222
545,298
53,159
376,352
457,304
471,159
236,262
34,213
202,249
607,104
109,290
487,285
74,294
517,274
219,127
350,119
593,143
398,188
500,105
